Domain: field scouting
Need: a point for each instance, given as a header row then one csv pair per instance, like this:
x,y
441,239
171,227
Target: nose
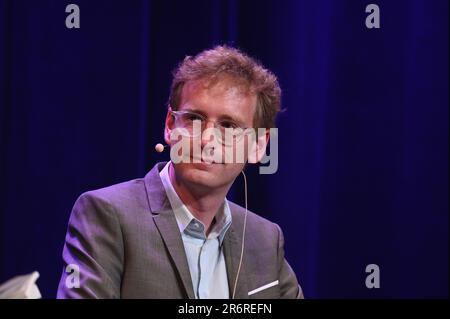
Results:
x,y
208,133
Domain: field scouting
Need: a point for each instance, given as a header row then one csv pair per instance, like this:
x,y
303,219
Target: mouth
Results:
x,y
205,161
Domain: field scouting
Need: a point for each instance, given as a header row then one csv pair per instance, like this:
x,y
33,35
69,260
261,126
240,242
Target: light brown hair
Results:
x,y
227,61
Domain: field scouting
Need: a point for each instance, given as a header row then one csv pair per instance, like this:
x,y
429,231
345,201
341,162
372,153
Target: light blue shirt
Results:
x,y
204,253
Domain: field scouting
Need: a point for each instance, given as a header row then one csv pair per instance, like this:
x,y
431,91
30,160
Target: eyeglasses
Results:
x,y
229,132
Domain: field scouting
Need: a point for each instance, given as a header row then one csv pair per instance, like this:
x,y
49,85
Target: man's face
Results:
x,y
218,101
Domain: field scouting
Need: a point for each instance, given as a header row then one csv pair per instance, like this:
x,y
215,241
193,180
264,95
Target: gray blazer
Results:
x,y
126,243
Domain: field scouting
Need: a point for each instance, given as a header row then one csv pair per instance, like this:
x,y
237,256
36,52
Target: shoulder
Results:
x,y
256,225
119,197
133,195
118,192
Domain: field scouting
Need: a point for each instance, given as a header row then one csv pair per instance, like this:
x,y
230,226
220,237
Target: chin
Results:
x,y
206,175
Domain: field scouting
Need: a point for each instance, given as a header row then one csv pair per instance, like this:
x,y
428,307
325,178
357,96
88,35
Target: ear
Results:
x,y
259,146
168,126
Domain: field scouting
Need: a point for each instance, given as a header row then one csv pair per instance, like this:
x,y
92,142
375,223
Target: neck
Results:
x,y
203,204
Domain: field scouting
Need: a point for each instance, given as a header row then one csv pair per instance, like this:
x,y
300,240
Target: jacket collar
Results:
x,y
166,223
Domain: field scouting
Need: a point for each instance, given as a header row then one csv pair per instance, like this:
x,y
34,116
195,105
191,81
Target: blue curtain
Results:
x,y
363,154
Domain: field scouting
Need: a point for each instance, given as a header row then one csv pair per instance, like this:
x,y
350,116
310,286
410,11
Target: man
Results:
x,y
173,234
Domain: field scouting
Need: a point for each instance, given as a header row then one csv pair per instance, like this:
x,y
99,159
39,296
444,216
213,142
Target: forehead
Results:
x,y
222,96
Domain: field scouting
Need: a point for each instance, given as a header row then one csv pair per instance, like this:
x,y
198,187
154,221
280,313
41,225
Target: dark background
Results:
x,y
363,155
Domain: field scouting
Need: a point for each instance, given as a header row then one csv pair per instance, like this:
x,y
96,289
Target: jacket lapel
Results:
x,y
167,226
166,223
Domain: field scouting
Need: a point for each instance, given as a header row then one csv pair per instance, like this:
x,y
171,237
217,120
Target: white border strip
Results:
x,y
254,291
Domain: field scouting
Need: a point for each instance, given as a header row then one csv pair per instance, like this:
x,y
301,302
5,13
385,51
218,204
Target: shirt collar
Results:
x,y
187,223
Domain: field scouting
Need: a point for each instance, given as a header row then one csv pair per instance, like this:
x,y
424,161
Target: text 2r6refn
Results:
x,y
246,308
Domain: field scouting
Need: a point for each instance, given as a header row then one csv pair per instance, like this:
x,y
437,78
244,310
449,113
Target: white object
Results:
x,y
21,287
254,291
159,147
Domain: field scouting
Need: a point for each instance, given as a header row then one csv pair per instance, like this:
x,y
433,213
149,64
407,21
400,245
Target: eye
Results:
x,y
193,117
228,124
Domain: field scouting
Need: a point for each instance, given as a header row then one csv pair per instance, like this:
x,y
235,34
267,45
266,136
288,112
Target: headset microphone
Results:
x,y
159,147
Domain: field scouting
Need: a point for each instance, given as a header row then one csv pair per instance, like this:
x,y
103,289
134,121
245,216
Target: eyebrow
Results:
x,y
193,110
